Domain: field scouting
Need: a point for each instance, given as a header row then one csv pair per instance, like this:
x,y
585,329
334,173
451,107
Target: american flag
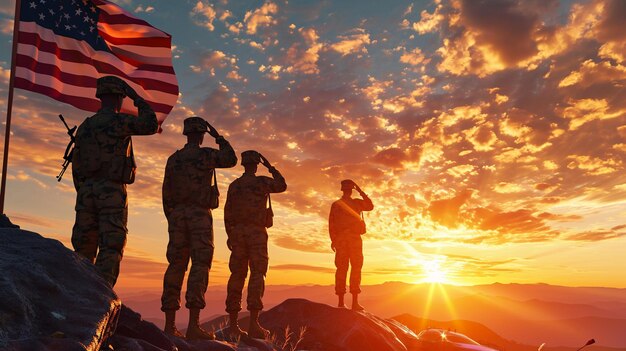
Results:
x,y
64,46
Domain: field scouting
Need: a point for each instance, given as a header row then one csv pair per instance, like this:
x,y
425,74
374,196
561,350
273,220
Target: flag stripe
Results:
x,y
111,9
76,101
136,58
79,74
121,19
160,81
48,84
31,33
134,31
95,65
112,38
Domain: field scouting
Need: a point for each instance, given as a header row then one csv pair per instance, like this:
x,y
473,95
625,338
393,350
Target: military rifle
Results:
x,y
69,150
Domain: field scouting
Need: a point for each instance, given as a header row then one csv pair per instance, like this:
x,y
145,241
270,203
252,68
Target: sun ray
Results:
x,y
449,305
427,306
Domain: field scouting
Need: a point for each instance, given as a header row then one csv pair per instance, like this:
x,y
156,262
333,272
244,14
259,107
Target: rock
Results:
x,y
51,298
329,328
131,327
404,334
135,334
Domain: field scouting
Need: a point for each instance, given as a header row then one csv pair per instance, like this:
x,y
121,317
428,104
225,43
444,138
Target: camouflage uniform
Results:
x,y
102,166
345,226
186,190
245,218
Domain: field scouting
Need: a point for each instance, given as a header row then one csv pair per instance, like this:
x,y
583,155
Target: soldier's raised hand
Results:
x,y
265,162
130,92
357,188
212,131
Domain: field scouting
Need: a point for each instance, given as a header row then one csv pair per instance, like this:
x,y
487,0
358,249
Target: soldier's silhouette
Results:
x,y
345,226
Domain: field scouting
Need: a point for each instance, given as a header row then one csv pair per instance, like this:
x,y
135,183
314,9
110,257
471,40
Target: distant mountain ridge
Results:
x,y
529,314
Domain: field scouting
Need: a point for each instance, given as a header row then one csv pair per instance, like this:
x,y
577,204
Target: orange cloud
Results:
x,y
413,57
303,58
203,14
261,17
353,43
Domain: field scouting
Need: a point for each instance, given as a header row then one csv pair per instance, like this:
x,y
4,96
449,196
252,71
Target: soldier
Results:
x,y
187,206
245,218
102,165
346,225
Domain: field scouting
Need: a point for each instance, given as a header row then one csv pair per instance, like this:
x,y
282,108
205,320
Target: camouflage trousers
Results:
x,y
348,251
249,249
191,237
99,233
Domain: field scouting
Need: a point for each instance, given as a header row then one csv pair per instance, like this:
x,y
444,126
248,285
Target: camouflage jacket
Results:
x,y
189,173
247,199
104,147
345,217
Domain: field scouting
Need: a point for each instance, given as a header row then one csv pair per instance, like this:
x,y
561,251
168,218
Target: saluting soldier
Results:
x,y
188,198
346,225
102,165
246,217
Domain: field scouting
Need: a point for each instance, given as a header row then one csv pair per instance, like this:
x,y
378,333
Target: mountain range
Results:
x,y
520,317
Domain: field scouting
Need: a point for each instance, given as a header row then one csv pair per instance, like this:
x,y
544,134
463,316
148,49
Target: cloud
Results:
x,y
611,26
591,73
593,165
214,59
203,14
303,57
429,22
598,235
147,9
353,43
310,244
392,157
496,24
302,267
477,34
6,26
413,57
135,267
446,211
234,75
261,17
220,104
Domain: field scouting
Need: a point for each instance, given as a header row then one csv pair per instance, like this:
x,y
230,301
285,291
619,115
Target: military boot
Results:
x,y
234,332
170,324
341,303
193,329
255,330
355,303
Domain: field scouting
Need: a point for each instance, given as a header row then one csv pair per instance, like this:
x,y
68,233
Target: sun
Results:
x,y
434,273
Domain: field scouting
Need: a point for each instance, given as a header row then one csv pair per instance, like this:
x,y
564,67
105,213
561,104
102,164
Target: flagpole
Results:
x,y
7,130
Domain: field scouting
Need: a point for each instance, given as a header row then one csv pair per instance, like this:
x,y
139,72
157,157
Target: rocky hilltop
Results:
x,y
52,299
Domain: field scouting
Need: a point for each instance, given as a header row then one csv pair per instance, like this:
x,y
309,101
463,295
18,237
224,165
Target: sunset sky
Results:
x,y
490,135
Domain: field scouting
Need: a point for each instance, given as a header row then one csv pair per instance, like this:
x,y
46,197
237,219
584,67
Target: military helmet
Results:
x,y
110,85
347,184
249,157
194,125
